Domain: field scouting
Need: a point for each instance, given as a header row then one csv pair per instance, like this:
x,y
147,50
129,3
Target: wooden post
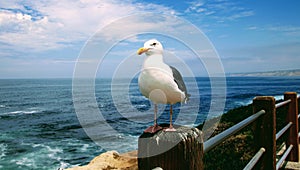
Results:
x,y
265,131
180,150
292,116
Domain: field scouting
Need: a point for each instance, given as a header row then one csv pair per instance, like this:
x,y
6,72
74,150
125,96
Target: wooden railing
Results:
x,y
265,136
190,149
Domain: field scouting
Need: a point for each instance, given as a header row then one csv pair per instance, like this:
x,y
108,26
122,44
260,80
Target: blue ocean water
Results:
x,y
39,128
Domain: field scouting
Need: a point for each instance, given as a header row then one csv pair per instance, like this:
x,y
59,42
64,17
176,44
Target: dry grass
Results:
x,y
237,151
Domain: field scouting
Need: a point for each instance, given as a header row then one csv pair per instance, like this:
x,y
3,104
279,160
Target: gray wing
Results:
x,y
179,81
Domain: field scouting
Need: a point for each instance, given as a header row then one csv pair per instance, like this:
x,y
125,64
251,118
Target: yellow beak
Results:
x,y
142,50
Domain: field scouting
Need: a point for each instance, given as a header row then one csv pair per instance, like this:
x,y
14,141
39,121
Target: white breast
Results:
x,y
156,82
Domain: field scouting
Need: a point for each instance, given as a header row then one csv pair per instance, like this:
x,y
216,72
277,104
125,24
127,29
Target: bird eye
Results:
x,y
154,44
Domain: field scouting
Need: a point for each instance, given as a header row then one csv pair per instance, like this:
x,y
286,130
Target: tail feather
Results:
x,y
187,98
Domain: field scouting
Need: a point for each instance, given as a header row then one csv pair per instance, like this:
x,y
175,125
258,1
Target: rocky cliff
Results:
x,y
111,160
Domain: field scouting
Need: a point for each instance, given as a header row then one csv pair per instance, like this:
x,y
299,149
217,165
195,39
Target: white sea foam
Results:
x,y
16,112
279,97
249,101
100,105
3,148
64,165
25,161
243,103
29,111
85,147
141,106
2,106
53,152
37,145
42,153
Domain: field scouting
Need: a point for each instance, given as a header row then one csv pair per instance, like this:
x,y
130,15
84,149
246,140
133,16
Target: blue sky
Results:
x,y
44,38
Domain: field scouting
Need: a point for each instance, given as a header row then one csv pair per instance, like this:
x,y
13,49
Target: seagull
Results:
x,y
159,82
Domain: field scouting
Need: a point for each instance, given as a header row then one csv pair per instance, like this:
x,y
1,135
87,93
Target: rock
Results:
x,y
111,160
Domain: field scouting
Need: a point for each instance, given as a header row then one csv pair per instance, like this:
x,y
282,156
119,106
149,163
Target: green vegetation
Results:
x,y
238,150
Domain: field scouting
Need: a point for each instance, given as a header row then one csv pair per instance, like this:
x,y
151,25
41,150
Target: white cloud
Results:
x,y
262,58
293,31
241,14
21,32
220,11
142,23
252,28
43,38
289,32
45,25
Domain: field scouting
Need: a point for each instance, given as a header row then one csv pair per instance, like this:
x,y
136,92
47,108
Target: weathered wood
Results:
x,y
265,131
292,116
182,149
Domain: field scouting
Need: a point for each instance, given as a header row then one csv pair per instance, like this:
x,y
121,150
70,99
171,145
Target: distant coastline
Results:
x,y
275,73
294,72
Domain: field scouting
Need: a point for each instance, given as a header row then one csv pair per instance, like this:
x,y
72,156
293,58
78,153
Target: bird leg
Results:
x,y
155,127
171,128
155,114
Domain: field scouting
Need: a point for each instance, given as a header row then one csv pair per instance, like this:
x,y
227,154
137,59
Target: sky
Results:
x,y
47,38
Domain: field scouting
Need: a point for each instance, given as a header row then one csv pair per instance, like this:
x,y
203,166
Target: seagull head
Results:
x,y
151,47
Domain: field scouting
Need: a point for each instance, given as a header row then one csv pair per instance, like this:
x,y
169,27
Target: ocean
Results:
x,y
41,129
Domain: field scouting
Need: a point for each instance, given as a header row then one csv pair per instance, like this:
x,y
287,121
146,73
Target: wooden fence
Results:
x,y
265,136
264,123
